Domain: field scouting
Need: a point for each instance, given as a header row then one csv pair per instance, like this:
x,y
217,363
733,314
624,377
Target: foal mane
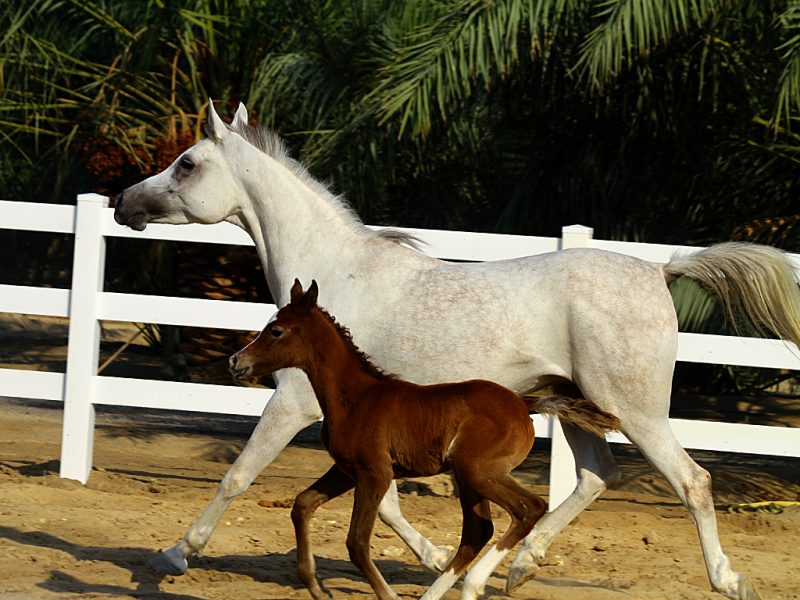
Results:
x,y
271,144
363,359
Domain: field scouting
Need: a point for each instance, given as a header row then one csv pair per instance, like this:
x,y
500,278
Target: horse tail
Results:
x,y
756,285
580,412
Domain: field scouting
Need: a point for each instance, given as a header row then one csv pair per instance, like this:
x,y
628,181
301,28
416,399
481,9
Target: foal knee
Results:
x,y
358,551
526,514
535,511
303,505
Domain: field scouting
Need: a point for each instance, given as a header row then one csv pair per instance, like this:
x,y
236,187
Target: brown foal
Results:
x,y
377,427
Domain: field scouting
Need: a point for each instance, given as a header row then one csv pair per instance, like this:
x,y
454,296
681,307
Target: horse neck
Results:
x,y
336,371
295,226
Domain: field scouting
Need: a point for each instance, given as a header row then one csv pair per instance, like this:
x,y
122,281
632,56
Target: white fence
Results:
x,y
86,305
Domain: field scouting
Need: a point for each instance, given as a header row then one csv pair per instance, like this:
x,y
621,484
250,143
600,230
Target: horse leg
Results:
x,y
596,470
332,484
292,407
429,555
371,486
693,485
525,509
476,531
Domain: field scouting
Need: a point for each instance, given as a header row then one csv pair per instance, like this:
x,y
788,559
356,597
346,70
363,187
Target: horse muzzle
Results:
x,y
239,372
126,213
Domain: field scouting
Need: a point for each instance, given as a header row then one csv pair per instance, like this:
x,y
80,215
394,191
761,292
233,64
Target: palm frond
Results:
x,y
629,29
441,60
787,103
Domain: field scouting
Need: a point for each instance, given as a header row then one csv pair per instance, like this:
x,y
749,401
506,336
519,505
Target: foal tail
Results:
x,y
756,285
580,412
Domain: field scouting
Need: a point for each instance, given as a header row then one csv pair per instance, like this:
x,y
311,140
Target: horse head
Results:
x,y
284,342
200,186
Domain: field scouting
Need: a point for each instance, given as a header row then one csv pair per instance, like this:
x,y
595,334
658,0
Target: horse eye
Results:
x,y
276,332
186,164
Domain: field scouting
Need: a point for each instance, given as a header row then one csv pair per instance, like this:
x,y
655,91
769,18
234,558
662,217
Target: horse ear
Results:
x,y
296,292
240,118
311,295
216,130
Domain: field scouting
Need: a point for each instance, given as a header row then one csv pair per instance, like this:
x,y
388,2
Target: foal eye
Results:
x,y
276,332
186,163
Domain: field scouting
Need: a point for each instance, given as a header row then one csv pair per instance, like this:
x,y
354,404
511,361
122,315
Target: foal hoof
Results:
x,y
167,563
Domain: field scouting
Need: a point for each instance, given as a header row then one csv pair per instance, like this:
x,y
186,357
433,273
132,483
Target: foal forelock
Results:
x,y
271,144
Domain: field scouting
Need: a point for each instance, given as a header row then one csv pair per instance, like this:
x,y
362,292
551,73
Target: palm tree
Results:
x,y
604,113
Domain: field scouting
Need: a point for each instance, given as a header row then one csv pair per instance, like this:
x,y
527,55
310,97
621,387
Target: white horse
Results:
x,y
588,322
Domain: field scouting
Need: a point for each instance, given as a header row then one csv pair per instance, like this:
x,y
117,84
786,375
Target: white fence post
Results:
x,y
88,269
563,477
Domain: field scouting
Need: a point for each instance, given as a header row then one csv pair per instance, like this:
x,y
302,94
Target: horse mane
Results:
x,y
369,366
271,144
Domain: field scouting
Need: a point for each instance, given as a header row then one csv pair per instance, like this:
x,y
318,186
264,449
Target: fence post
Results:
x,y
563,477
88,269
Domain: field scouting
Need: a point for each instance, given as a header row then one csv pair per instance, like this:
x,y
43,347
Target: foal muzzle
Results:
x,y
237,371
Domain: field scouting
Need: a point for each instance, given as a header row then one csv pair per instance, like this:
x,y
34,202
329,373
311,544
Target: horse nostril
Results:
x,y
232,361
118,199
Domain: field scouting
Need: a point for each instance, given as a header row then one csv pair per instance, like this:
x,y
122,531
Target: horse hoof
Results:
x,y
437,560
747,591
518,575
167,564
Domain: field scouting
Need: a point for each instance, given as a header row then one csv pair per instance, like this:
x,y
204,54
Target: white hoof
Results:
x,y
437,559
745,590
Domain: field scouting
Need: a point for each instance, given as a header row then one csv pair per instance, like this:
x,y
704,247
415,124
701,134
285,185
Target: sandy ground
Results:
x,y
155,472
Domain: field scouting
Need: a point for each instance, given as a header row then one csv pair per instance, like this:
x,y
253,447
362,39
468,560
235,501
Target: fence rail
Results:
x,y
87,304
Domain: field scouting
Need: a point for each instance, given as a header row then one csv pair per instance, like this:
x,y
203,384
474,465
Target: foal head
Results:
x,y
286,341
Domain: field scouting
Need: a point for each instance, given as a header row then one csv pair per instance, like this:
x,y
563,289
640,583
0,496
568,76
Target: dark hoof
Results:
x,y
517,577
166,564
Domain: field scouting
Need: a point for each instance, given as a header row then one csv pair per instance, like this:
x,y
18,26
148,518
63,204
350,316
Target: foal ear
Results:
x,y
216,129
240,118
296,293
310,299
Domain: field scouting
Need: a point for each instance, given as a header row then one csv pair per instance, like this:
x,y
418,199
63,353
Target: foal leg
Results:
x,y
476,531
596,470
292,407
525,509
332,484
429,555
371,487
693,485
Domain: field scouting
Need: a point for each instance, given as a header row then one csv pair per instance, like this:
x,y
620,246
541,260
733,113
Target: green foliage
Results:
x,y
666,121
